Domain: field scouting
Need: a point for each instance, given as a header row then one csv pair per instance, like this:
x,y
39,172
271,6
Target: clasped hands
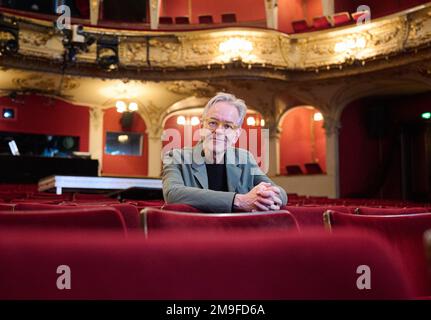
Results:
x,y
263,197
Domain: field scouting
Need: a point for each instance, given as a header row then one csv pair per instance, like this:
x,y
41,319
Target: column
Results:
x,y
96,135
274,151
271,9
154,13
94,11
328,7
332,127
154,152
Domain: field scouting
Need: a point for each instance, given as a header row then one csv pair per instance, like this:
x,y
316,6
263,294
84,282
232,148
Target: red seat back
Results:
x,y
130,213
206,19
369,211
312,216
156,220
405,234
228,18
166,20
73,218
341,19
320,23
300,26
199,266
182,20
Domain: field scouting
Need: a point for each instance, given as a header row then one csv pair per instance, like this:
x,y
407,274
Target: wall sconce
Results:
x,y
318,116
251,121
123,107
182,121
255,121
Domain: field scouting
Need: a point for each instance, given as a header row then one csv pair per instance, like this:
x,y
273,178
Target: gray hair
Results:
x,y
239,104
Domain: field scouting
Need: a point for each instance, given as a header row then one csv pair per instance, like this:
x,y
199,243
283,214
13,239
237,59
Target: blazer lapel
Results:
x,y
198,166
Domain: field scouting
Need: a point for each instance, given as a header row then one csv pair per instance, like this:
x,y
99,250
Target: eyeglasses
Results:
x,y
213,124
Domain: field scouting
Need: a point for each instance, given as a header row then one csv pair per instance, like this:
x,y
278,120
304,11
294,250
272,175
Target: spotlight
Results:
x,y
75,40
9,43
107,53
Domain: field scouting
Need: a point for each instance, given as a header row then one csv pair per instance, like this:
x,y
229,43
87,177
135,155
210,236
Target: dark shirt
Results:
x,y
217,179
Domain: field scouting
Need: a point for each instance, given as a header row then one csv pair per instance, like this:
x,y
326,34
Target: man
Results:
x,y
214,176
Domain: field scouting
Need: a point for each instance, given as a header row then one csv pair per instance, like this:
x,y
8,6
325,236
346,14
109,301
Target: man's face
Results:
x,y
220,127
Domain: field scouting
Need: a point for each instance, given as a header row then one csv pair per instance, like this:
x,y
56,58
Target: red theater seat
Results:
x,y
182,20
369,211
312,216
300,26
321,23
68,218
405,234
199,266
341,19
156,220
228,18
206,19
166,20
129,212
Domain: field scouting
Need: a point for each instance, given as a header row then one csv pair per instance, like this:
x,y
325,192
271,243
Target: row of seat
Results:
x,y
401,228
237,265
311,168
203,19
325,22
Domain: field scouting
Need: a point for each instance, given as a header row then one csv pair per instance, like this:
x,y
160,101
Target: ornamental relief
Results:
x,y
269,48
133,53
165,52
191,88
49,85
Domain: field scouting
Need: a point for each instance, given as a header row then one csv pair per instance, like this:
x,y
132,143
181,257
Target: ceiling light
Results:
x,y
121,106
251,121
318,116
133,106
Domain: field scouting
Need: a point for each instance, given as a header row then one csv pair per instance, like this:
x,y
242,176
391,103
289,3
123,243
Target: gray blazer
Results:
x,y
185,178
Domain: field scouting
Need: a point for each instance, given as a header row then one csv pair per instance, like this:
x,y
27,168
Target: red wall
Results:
x,y
245,10
378,8
296,140
290,10
124,165
41,115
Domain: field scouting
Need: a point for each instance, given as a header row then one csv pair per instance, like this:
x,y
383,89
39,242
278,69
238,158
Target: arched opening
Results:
x,y
302,141
125,144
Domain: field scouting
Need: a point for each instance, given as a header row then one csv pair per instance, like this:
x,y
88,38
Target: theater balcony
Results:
x,y
170,69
